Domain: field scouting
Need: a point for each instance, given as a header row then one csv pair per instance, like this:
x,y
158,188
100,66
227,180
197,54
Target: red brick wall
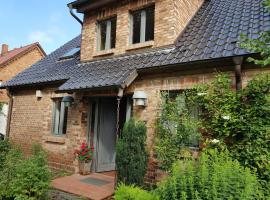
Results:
x,y
31,118
12,68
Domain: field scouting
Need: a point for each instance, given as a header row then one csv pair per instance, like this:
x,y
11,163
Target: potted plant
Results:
x,y
85,156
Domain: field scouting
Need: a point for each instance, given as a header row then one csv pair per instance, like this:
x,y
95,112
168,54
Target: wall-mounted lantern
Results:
x,y
140,98
38,94
68,100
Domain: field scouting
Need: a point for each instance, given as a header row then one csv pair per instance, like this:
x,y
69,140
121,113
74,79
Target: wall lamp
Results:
x,y
140,98
68,100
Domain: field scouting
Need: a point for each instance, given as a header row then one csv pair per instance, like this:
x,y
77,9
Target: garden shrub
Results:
x,y
4,149
215,177
131,154
241,120
124,192
176,129
25,178
8,172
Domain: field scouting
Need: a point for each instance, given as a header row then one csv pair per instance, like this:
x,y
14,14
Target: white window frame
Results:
x,y
58,124
108,44
142,27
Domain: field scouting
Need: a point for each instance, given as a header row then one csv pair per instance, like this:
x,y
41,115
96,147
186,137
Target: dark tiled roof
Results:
x,y
212,33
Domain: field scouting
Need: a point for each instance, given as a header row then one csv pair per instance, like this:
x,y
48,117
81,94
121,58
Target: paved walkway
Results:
x,y
95,186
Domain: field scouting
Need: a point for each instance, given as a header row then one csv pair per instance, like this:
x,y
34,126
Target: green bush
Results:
x,y
215,177
4,149
25,178
131,154
124,192
7,174
240,119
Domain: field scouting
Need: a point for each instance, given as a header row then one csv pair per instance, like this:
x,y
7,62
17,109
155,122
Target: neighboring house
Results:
x,y
13,62
128,50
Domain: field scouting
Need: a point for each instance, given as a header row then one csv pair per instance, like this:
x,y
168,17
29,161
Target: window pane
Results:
x,y
56,117
113,32
65,120
103,30
136,27
150,24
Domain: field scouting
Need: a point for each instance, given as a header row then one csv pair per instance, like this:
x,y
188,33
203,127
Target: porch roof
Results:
x,y
212,34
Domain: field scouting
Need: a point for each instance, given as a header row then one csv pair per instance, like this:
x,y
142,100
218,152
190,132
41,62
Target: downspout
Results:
x,y
73,14
119,97
238,61
10,106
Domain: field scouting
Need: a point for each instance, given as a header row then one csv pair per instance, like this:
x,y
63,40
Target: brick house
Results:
x,y
11,63
127,54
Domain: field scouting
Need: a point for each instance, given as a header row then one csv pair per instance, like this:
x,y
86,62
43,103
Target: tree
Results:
x,y
259,45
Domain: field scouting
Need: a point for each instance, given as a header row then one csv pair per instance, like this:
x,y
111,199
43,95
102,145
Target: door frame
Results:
x,y
96,128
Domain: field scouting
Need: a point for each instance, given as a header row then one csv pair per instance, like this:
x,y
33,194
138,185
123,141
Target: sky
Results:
x,y
48,22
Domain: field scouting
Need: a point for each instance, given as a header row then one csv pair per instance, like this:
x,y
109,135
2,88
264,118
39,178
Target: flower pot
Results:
x,y
85,167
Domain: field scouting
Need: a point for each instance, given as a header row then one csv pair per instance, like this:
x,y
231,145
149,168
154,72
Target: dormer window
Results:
x,y
142,25
106,34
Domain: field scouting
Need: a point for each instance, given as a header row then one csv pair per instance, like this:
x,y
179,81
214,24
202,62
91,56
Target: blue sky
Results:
x,y
44,21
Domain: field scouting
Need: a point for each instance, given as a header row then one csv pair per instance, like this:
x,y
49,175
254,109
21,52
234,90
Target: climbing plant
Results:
x,y
260,44
176,129
241,120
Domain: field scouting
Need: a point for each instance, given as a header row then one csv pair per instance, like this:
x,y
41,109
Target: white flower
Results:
x,y
215,141
226,117
202,94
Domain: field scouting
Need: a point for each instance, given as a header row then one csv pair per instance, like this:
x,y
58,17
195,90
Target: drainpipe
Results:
x,y
119,97
10,106
73,14
238,61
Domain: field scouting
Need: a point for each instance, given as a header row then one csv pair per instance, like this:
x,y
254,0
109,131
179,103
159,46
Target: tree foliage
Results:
x,y
260,44
131,154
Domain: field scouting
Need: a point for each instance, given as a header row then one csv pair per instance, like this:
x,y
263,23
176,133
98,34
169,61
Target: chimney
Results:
x,y
4,49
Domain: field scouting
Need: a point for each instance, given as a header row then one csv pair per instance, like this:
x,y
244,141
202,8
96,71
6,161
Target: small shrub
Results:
x,y
4,149
215,177
124,192
8,172
24,178
131,154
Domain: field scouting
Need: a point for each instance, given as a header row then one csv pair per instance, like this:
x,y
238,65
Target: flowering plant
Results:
x,y
85,153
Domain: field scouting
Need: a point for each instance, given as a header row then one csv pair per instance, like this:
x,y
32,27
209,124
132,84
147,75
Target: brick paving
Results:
x,y
76,184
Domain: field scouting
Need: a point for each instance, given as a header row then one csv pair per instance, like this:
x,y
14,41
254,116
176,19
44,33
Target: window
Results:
x,y
142,25
179,98
71,53
107,34
60,114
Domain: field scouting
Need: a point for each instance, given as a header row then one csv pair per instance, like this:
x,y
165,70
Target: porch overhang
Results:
x,y
106,84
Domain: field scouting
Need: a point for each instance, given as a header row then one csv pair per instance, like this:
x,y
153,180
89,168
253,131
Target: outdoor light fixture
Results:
x,y
68,100
140,98
38,93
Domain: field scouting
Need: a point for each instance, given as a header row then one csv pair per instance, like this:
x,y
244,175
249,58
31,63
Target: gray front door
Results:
x,y
106,135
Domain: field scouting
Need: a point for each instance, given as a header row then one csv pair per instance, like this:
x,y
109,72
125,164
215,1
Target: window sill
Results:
x,y
140,45
55,139
104,53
